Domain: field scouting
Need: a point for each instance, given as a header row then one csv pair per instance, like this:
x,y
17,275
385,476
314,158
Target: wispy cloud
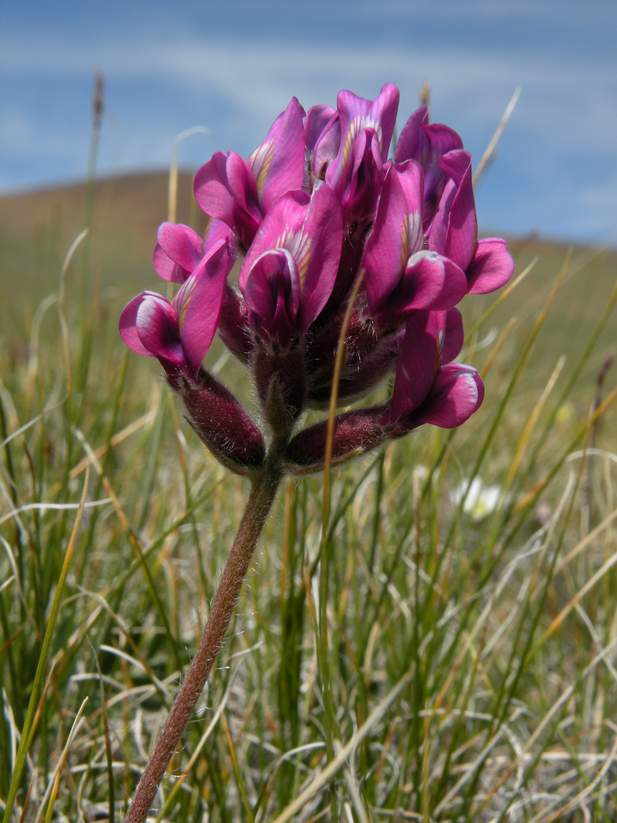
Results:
x,y
257,78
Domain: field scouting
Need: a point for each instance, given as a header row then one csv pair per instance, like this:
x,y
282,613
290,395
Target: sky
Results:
x,y
232,65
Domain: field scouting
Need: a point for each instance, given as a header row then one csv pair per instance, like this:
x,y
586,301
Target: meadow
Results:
x,y
439,649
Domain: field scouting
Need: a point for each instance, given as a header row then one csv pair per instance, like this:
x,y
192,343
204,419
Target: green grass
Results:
x,y
468,672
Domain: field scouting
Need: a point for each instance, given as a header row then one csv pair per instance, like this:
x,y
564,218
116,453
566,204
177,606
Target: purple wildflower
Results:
x,y
315,214
314,207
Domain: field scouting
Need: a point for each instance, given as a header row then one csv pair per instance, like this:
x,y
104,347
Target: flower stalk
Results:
x,y
263,492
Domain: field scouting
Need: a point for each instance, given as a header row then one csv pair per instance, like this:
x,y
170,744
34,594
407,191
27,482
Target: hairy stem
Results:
x,y
258,506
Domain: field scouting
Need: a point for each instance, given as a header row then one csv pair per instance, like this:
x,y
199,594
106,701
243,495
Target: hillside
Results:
x,y
37,227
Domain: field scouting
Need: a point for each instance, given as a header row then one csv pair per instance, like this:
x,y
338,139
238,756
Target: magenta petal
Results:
x,y
282,222
318,267
278,164
315,122
462,231
359,188
491,267
212,191
397,231
261,283
359,116
127,326
384,110
242,184
408,144
326,147
383,258
411,181
272,292
437,140
441,140
217,231
165,267
437,233
225,189
426,144
417,365
199,301
177,252
447,327
457,393
436,282
156,323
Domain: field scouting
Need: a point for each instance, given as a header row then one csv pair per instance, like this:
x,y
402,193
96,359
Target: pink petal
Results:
x,y
491,267
316,120
283,220
165,267
416,368
211,188
426,144
225,189
177,252
272,292
408,144
326,147
411,180
278,164
127,325
457,393
462,227
242,184
360,186
323,229
437,233
357,116
441,140
384,109
437,141
199,301
156,324
435,282
397,231
217,231
447,326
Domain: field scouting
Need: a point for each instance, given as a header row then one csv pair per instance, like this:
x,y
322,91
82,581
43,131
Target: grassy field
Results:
x,y
469,673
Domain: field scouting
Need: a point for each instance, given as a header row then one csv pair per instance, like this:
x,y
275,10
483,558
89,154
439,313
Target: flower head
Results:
x,y
318,206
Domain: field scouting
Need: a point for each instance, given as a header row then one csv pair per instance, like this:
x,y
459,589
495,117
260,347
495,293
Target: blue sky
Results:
x,y
232,65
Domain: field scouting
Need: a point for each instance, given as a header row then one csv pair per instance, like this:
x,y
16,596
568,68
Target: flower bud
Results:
x,y
220,422
355,433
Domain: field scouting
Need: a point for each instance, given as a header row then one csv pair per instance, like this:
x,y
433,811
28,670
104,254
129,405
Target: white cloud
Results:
x,y
574,100
22,133
566,115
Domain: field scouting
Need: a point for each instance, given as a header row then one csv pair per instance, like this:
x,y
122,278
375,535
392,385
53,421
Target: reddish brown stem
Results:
x,y
258,506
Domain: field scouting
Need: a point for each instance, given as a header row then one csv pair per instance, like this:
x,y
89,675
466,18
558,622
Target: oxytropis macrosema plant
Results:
x,y
334,241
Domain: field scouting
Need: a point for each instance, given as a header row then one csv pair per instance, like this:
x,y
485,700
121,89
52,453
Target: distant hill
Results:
x,y
37,227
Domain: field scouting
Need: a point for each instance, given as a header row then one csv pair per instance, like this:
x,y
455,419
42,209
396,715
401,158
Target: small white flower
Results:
x,y
481,500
